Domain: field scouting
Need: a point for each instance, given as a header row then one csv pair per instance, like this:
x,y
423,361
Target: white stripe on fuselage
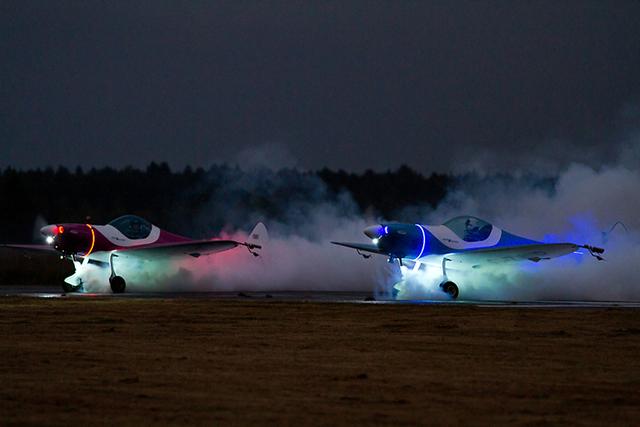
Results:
x,y
113,235
451,239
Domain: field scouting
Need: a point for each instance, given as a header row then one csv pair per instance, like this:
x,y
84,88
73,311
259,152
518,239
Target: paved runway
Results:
x,y
311,296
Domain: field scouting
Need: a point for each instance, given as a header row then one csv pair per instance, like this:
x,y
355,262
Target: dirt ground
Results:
x,y
255,362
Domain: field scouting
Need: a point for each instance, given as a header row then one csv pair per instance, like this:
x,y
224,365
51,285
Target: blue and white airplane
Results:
x,y
464,240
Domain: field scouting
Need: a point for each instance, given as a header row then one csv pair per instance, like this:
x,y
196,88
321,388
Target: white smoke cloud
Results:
x,y
298,256
581,209
583,203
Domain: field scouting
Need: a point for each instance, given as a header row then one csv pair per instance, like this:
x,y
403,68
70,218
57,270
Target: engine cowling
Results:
x,y
70,239
399,240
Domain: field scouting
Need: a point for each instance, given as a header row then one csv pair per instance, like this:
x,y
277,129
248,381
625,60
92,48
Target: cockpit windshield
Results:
x,y
470,228
133,227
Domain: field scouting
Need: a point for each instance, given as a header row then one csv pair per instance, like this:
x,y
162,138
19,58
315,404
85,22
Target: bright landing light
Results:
x,y
374,241
49,240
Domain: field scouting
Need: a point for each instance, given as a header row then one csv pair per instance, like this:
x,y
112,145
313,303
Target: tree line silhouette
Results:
x,y
200,202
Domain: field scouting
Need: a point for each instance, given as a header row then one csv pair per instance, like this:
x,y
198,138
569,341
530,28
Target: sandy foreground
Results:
x,y
256,362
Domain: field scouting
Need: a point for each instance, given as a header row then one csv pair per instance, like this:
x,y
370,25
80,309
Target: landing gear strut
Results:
x,y
117,283
447,285
68,287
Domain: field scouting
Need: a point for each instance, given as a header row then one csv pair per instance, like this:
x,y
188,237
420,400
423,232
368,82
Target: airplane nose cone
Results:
x,y
374,232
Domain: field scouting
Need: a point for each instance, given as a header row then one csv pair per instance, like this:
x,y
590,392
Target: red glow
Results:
x,y
60,229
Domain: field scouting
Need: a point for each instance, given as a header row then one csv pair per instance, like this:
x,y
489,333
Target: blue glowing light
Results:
x,y
386,229
424,240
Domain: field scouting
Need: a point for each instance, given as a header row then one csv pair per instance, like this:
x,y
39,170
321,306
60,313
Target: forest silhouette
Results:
x,y
202,202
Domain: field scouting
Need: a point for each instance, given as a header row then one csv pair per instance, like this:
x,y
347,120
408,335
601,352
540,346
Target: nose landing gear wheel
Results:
x,y
67,288
117,284
451,289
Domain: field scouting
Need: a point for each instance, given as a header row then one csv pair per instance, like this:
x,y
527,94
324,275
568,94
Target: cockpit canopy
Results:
x,y
470,228
132,226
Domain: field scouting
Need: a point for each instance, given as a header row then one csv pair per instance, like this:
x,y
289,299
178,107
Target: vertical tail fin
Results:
x,y
258,237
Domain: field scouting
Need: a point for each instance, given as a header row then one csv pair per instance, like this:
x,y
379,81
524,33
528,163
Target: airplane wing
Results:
x,y
195,249
30,248
534,252
361,247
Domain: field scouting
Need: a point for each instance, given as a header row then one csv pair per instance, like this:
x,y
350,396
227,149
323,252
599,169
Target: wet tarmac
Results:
x,y
299,358
306,296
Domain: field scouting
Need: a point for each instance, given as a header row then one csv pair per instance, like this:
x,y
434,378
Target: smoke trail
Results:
x,y
577,206
302,216
583,204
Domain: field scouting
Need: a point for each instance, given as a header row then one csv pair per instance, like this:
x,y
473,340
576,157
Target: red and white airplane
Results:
x,y
127,236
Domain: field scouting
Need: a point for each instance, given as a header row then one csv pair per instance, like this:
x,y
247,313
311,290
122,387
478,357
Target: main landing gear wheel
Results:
x,y
117,284
450,289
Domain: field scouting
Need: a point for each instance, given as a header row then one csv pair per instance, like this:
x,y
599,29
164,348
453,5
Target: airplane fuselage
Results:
x,y
72,239
417,241
461,240
132,238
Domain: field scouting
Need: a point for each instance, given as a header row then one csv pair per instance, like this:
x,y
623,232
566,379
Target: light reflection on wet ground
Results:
x,y
311,296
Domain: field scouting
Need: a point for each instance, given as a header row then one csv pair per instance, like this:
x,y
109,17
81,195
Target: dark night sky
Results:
x,y
438,85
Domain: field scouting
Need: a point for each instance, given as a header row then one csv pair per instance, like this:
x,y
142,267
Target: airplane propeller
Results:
x,y
38,224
